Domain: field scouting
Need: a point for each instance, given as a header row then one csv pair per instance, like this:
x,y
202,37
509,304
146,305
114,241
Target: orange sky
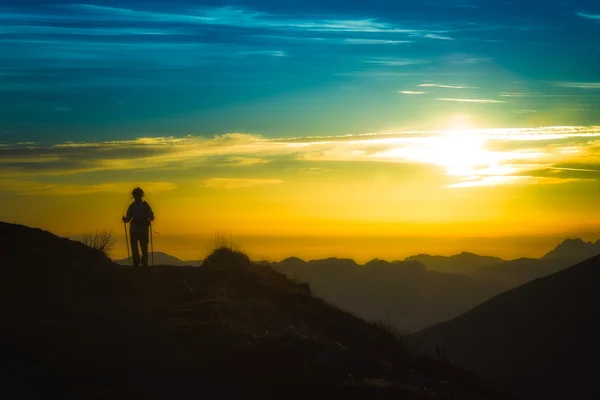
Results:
x,y
457,184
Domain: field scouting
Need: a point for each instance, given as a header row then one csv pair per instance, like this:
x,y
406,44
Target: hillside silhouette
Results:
x,y
403,291
78,325
539,341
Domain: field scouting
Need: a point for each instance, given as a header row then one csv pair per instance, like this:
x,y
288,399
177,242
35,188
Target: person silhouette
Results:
x,y
140,215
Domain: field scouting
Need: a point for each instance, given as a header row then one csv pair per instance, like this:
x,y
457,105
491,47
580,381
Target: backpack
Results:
x,y
140,216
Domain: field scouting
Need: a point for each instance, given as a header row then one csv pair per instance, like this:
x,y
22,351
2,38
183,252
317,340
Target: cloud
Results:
x,y
579,85
462,155
589,16
483,101
515,180
536,95
236,183
93,31
397,62
245,161
244,18
34,188
410,92
437,85
527,111
437,37
376,41
573,169
270,53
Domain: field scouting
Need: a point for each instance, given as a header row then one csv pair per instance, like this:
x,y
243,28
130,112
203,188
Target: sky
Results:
x,y
329,128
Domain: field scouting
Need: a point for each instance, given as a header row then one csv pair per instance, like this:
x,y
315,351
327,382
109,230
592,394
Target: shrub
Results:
x,y
101,240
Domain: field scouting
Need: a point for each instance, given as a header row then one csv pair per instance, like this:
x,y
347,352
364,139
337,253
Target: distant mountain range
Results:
x,y
164,259
421,290
462,263
538,340
513,272
574,249
401,292
523,270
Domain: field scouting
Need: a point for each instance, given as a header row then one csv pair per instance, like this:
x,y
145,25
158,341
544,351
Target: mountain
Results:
x,y
522,270
163,259
403,292
574,249
537,340
514,272
77,325
458,264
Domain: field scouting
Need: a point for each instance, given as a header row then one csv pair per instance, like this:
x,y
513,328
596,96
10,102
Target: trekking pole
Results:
x,y
127,242
151,245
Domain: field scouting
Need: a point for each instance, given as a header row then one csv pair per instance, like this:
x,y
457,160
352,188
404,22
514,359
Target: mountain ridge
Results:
x,y
574,247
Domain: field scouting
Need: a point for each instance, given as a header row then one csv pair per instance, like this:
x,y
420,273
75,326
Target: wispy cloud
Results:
x,y
482,101
579,85
527,111
535,95
397,62
516,180
246,18
93,31
574,169
438,85
595,17
32,187
269,53
245,161
236,183
469,157
438,37
410,92
376,41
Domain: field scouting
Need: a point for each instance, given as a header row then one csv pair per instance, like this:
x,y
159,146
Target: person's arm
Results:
x,y
150,213
127,218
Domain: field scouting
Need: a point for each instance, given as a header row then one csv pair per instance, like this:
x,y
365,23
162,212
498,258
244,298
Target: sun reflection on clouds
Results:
x,y
468,157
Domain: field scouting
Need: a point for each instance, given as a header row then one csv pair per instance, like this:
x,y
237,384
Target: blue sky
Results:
x,y
111,70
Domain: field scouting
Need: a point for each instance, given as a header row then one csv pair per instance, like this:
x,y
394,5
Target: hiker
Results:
x,y
140,215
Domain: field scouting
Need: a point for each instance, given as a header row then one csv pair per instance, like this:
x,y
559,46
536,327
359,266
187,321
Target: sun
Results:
x,y
460,122
462,152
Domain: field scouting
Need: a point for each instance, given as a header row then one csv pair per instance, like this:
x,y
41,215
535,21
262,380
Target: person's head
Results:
x,y
137,194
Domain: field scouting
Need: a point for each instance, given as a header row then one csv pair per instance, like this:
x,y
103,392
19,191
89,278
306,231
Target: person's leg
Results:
x,y
134,249
144,245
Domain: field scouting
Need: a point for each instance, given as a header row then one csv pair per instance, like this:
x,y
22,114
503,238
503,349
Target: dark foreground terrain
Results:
x,y
87,328
538,341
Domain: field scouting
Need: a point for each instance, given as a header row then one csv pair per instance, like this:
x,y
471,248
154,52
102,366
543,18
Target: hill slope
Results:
x,y
536,340
404,292
86,327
